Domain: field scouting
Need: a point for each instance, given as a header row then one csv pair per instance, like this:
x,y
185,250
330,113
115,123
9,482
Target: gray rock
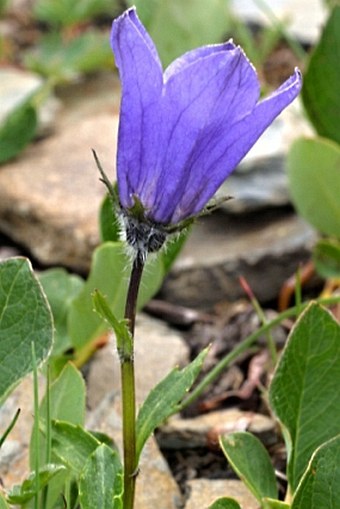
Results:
x,y
205,429
50,197
265,248
18,86
303,19
204,492
264,185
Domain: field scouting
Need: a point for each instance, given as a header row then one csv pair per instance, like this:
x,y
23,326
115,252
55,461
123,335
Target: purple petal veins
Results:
x,y
182,132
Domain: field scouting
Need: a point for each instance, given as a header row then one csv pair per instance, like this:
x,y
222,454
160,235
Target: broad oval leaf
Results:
x,y
25,317
251,461
314,181
225,503
305,387
320,90
320,485
101,480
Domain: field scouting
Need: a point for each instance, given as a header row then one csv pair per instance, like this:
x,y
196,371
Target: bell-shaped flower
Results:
x,y
183,131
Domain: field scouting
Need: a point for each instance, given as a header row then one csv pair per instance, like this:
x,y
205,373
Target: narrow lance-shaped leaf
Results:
x,y
120,327
163,399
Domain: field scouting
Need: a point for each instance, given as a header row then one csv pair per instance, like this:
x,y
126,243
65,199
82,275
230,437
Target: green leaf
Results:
x,y
326,257
314,180
65,13
64,60
163,399
108,221
60,288
269,503
225,503
109,273
25,317
251,461
304,390
320,485
3,503
67,403
17,131
320,91
101,481
67,397
177,26
20,494
72,444
120,327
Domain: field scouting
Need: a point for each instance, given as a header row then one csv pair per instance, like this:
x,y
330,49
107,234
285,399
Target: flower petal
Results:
x,y
142,81
221,147
207,86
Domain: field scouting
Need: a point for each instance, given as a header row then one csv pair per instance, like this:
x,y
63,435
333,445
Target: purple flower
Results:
x,y
183,131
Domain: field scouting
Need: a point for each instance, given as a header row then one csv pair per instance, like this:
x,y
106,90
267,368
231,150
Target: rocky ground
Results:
x,y
49,200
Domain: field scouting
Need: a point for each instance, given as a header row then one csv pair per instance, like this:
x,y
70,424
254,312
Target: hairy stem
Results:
x,y
128,387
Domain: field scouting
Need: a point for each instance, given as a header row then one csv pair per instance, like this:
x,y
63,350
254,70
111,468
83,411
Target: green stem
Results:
x,y
270,340
126,354
44,494
36,426
243,346
10,427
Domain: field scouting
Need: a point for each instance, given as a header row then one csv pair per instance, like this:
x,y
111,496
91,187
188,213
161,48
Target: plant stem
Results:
x,y
44,494
36,432
126,354
244,345
10,427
